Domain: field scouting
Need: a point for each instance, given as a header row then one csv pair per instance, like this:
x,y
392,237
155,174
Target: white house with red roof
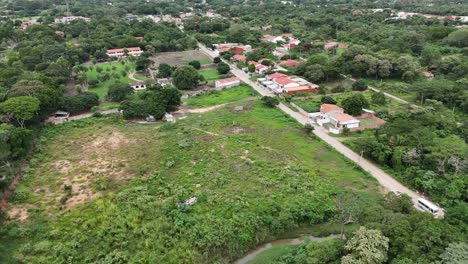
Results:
x,y
227,82
335,116
133,51
259,68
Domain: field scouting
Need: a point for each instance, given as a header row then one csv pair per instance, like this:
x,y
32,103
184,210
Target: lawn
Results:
x,y
220,97
115,71
210,74
313,104
102,189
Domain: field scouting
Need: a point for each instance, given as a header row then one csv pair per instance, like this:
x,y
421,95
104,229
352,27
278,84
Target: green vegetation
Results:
x,y
220,97
113,70
272,254
313,105
210,74
228,155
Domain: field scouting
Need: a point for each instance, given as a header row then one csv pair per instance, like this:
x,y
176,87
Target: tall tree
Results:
x,y
367,246
20,109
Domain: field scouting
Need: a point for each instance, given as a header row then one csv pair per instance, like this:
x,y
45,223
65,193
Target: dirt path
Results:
x,y
81,116
131,76
290,241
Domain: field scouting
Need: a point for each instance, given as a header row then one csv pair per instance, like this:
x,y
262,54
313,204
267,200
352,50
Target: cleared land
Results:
x,y
180,58
220,97
103,187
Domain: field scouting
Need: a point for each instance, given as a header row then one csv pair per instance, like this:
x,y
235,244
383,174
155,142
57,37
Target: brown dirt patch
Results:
x,y
18,213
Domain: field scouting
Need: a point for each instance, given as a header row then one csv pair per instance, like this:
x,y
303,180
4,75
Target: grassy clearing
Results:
x,y
114,70
273,253
220,97
394,87
109,105
313,104
255,173
210,74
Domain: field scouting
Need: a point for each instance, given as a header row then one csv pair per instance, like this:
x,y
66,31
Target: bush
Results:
x,y
223,68
338,89
308,128
270,101
79,103
196,64
217,60
327,100
359,85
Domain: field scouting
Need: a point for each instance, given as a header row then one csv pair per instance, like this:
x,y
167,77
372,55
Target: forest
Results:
x,y
252,187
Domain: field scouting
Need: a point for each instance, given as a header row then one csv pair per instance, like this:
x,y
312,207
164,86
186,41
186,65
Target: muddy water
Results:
x,y
290,241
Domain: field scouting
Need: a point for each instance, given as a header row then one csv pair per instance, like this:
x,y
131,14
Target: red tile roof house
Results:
x,y
428,75
311,88
338,120
227,83
276,75
289,63
259,68
133,51
238,57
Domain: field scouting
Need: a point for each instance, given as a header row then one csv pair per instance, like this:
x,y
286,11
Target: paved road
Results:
x,y
385,180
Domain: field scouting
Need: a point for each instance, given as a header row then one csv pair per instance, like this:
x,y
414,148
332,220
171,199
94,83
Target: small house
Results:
x,y
428,75
138,86
227,83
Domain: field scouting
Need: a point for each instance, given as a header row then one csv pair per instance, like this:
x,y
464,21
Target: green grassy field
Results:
x,y
220,97
111,68
210,74
101,189
313,105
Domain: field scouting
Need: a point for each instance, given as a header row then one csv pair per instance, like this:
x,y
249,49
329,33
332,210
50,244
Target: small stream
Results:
x,y
289,241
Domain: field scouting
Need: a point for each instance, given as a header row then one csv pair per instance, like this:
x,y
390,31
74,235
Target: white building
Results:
x,y
133,51
68,19
227,83
138,86
335,116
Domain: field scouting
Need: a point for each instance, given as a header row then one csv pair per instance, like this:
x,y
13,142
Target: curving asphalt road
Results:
x,y
384,179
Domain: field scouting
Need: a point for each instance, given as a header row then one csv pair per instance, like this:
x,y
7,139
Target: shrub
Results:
x,y
196,64
338,89
270,101
327,100
359,85
223,68
79,103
